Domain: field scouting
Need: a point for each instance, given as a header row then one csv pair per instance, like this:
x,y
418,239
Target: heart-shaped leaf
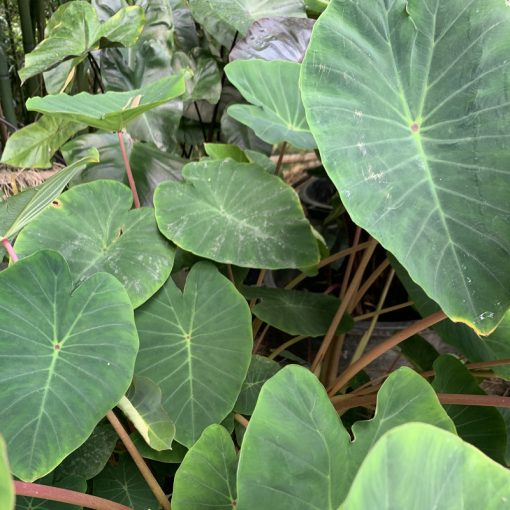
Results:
x,y
75,29
394,477
408,104
483,427
19,210
34,145
240,14
276,112
92,226
142,405
196,345
275,38
65,358
236,213
6,486
207,476
295,425
297,312
111,111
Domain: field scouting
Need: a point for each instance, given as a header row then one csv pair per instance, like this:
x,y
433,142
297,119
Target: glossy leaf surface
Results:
x,y
448,480
276,112
408,103
93,227
236,213
196,345
207,476
50,335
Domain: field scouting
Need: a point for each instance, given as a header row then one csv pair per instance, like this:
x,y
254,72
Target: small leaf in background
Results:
x,y
207,476
316,6
276,112
196,345
123,483
295,425
419,352
111,111
234,132
93,227
19,210
74,30
71,482
483,427
297,312
426,467
407,143
91,457
173,456
261,370
240,14
34,145
275,38
236,213
225,150
6,486
142,406
261,160
50,338
206,15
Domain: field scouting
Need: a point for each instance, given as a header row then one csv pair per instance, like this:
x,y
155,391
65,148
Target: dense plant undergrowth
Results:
x,y
178,322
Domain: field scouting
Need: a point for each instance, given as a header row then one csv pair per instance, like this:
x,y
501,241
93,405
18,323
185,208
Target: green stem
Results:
x,y
35,490
139,461
286,345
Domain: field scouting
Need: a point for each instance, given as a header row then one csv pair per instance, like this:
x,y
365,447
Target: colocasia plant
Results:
x,y
178,327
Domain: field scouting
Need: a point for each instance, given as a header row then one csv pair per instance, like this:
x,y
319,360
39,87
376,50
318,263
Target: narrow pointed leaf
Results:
x,y
196,345
65,358
236,213
92,226
142,405
407,101
207,476
75,29
20,211
240,14
111,111
276,112
34,145
394,477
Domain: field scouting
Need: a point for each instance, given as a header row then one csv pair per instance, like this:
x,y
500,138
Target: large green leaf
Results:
x,y
91,457
93,227
422,467
240,14
236,213
142,405
75,29
111,111
275,38
483,427
124,484
34,145
407,101
66,358
295,425
276,112
6,486
206,479
297,312
196,345
19,210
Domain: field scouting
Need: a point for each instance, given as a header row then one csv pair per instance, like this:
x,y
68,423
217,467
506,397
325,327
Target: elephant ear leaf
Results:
x,y
408,103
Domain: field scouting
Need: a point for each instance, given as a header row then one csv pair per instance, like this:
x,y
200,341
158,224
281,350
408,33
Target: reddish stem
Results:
x,y
35,490
10,250
129,173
